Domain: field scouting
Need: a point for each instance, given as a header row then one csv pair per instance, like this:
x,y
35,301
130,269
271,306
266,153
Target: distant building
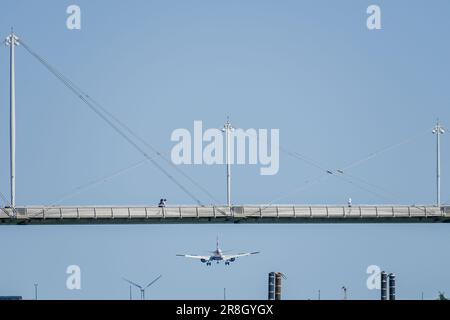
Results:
x,y
10,297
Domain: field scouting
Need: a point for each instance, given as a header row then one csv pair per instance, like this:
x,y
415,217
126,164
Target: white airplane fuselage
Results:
x,y
217,256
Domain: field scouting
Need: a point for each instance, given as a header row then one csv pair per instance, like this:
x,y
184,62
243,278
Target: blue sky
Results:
x,y
312,69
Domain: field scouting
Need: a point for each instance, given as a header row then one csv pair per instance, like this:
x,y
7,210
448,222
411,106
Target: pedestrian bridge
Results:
x,y
224,214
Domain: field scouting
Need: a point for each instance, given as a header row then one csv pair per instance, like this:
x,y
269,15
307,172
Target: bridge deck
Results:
x,y
223,214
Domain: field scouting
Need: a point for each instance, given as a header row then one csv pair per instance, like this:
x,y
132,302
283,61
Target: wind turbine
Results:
x,y
141,288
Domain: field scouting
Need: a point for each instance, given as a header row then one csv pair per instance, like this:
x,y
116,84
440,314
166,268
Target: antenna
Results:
x,y
141,288
345,292
12,41
35,291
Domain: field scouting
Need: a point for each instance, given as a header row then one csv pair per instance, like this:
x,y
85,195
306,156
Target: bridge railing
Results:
x,y
321,211
247,211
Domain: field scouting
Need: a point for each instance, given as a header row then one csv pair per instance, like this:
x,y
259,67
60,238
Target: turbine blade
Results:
x,y
131,282
153,282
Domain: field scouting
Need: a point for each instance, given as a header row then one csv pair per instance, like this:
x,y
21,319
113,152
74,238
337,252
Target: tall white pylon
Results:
x,y
12,41
228,129
438,130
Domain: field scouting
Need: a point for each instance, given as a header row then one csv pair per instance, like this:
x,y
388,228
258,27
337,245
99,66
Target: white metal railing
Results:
x,y
246,211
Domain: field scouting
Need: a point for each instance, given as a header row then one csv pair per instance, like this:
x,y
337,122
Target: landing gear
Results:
x,y
208,263
227,263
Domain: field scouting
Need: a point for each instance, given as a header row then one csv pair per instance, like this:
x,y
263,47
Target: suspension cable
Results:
x,y
158,153
135,135
328,173
388,148
87,186
82,97
339,174
7,204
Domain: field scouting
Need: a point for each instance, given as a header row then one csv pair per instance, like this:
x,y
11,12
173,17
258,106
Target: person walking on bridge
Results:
x,y
162,203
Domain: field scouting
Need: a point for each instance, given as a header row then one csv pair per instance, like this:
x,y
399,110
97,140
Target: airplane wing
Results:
x,y
194,256
234,256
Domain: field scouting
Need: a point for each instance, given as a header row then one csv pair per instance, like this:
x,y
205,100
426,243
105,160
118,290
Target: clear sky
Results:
x,y
336,91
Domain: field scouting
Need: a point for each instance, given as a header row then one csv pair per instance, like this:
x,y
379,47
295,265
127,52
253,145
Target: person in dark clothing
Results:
x,y
162,203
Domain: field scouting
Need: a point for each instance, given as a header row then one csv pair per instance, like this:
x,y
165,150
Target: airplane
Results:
x,y
217,255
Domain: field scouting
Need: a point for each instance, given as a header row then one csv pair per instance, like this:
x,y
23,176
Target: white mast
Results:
x,y
228,129
12,41
438,130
